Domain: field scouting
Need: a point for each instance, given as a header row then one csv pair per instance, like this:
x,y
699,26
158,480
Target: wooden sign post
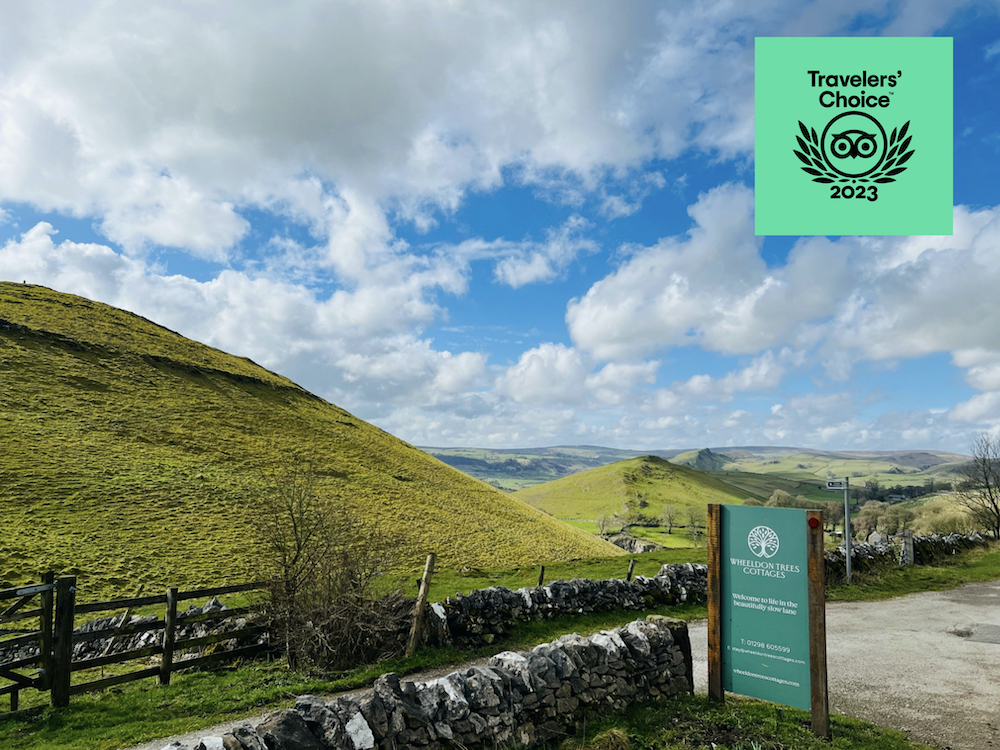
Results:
x,y
767,607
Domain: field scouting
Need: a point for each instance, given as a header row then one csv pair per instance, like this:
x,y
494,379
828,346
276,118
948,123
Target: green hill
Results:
x,y
649,479
703,460
887,467
518,468
129,456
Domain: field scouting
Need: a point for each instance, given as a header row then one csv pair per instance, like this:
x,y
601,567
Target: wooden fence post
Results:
x,y
541,576
62,652
819,691
631,570
715,689
46,600
169,634
418,614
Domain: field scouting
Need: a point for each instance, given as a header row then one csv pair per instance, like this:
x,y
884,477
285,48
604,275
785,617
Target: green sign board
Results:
x,y
853,136
764,604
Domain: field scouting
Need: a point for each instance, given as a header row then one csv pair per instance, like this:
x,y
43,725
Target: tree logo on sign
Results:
x,y
762,541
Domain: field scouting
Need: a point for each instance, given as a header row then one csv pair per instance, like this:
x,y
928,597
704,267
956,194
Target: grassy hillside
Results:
x,y
703,460
130,455
518,468
888,467
604,490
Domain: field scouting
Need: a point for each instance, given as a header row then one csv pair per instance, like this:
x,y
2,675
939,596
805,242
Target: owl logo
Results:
x,y
854,148
852,144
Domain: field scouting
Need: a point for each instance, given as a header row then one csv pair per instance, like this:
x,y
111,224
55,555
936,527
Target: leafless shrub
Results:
x,y
322,564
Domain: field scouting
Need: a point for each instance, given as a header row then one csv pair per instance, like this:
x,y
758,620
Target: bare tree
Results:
x,y
668,516
979,488
696,521
604,522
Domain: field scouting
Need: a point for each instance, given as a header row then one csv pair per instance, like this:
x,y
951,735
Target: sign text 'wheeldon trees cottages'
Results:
x,y
853,135
767,635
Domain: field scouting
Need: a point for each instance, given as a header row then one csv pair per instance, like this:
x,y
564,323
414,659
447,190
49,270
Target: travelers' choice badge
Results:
x,y
853,136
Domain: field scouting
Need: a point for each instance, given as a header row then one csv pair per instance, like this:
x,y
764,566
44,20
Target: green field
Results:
x,y
134,458
896,468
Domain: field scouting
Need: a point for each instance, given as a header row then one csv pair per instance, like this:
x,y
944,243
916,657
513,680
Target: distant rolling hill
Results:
x,y
755,470
129,456
604,490
517,468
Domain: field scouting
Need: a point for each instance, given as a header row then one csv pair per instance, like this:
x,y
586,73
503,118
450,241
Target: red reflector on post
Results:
x,y
813,522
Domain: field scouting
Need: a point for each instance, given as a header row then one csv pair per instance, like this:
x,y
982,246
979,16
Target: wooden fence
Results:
x,y
54,637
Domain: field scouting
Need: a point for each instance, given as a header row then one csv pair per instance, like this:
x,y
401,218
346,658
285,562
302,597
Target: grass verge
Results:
x,y
693,722
974,566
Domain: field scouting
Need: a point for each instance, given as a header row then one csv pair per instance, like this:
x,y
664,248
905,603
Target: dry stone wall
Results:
x,y
519,699
478,618
873,557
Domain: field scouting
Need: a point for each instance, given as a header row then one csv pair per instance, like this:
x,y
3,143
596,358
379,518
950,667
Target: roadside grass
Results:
x,y
974,566
688,722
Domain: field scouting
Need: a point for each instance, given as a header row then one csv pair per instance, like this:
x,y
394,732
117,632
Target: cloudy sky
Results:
x,y
499,224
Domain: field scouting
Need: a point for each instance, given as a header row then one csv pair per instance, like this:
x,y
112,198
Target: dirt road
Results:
x,y
926,664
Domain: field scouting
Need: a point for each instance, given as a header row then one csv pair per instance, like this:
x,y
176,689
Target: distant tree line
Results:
x,y
874,490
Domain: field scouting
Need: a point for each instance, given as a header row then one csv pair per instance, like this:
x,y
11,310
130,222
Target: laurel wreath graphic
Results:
x,y
896,157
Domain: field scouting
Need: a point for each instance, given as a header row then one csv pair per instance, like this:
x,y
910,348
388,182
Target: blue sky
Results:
x,y
502,225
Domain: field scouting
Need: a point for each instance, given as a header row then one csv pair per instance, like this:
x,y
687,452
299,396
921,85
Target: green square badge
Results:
x,y
853,136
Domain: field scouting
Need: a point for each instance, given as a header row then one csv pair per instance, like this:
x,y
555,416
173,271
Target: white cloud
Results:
x,y
613,383
162,119
764,373
709,287
547,374
531,262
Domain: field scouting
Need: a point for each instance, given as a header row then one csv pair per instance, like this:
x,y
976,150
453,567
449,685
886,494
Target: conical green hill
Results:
x,y
605,490
130,455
